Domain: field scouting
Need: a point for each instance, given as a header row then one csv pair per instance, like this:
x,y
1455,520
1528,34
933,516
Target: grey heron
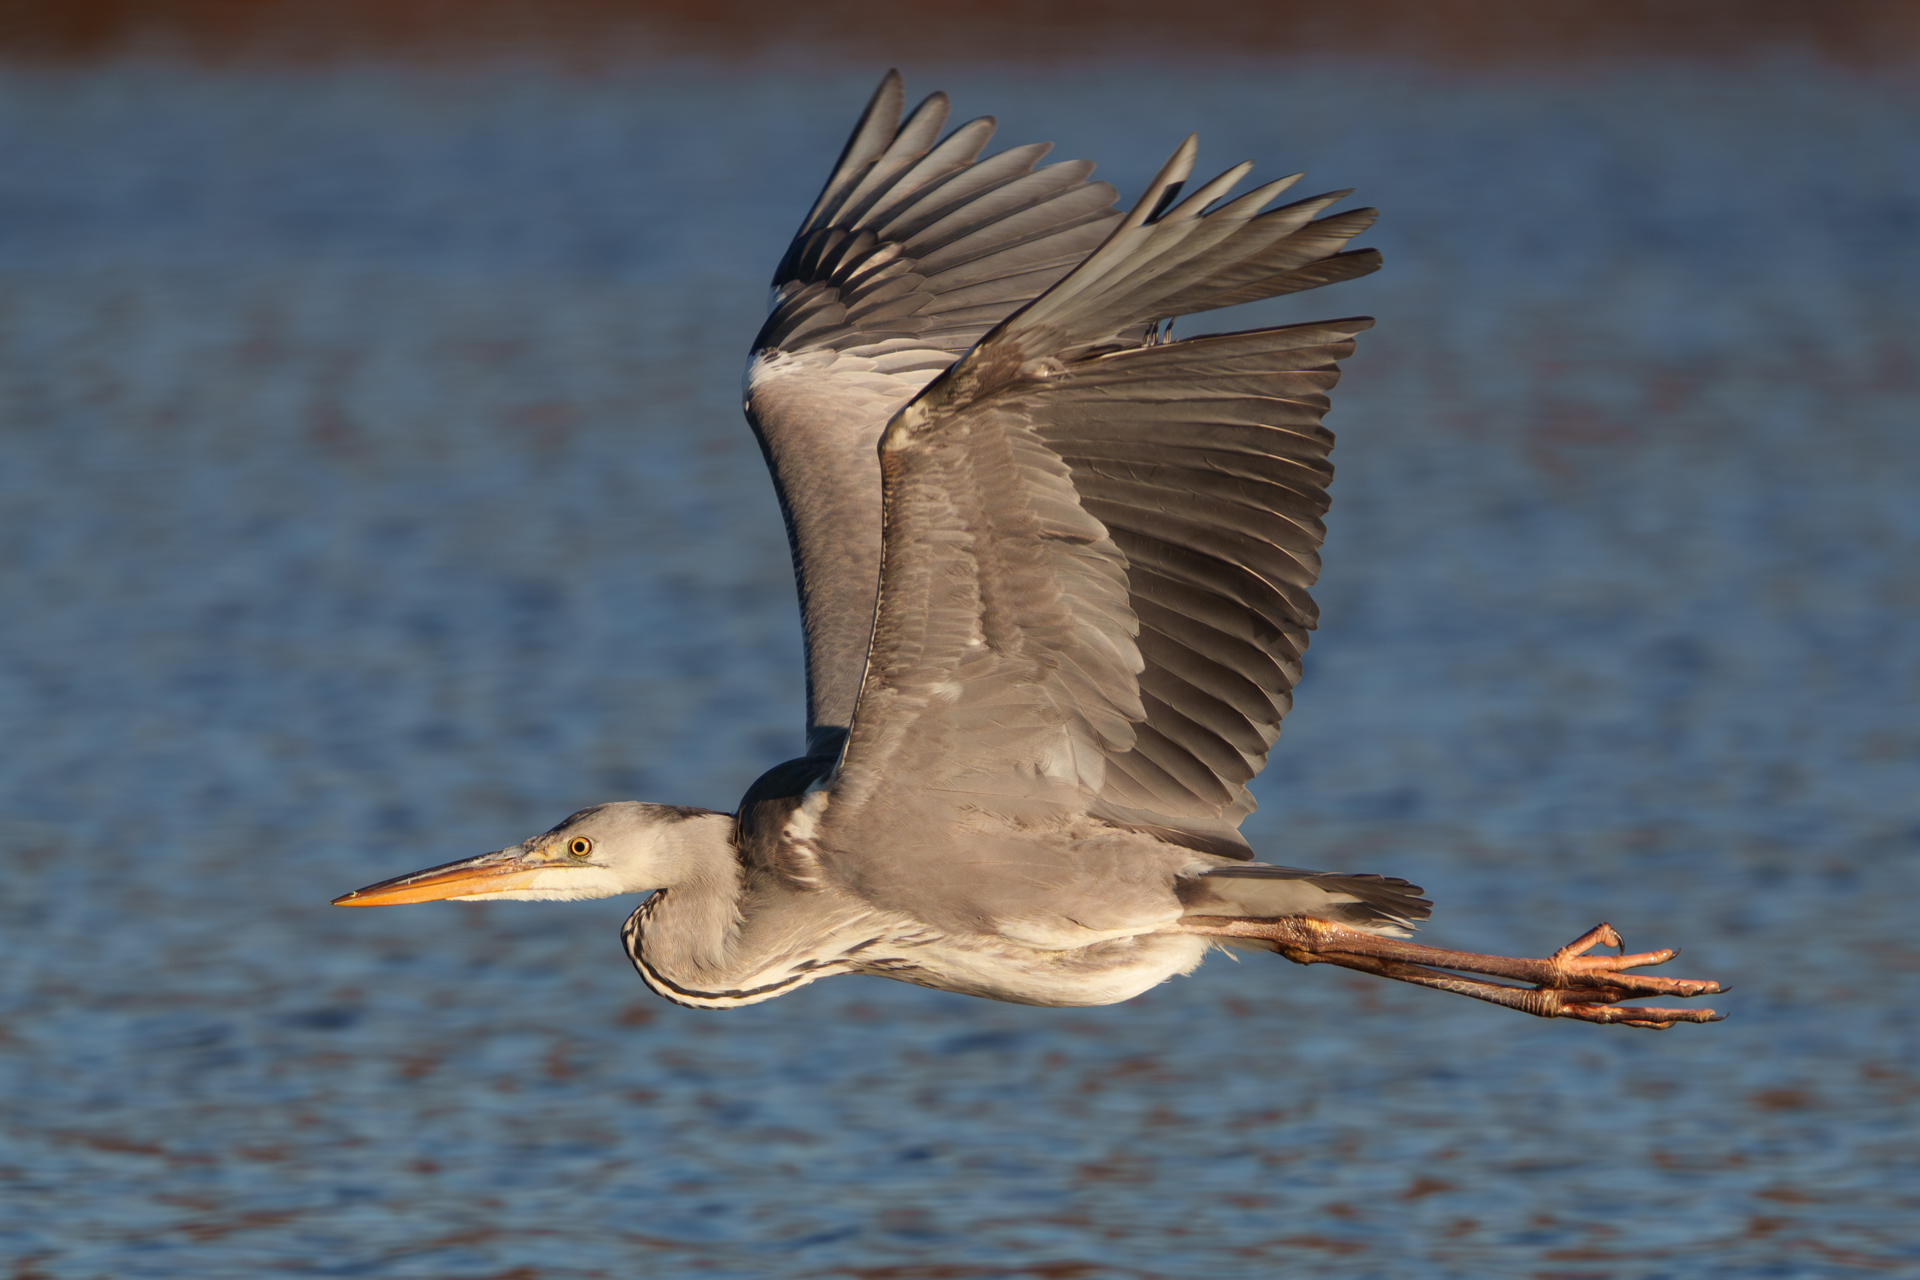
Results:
x,y
1053,569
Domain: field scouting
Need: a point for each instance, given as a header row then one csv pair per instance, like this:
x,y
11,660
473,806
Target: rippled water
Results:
x,y
374,493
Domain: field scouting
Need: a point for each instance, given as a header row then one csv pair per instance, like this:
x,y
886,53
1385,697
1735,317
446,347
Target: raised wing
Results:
x,y
1206,463
915,248
1093,591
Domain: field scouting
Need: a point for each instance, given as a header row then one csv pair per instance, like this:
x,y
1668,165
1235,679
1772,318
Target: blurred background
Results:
x,y
374,492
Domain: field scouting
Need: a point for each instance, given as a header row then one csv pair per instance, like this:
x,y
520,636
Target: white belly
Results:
x,y
1103,973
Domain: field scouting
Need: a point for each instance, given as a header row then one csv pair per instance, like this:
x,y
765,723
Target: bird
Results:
x,y
1053,567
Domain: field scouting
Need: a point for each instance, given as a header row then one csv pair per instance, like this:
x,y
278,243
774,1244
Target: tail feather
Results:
x,y
1255,891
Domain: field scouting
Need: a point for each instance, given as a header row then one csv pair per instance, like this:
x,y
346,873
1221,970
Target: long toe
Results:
x,y
1640,984
1655,1019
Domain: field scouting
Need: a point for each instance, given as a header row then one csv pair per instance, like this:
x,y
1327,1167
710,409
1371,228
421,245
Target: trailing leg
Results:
x,y
1568,984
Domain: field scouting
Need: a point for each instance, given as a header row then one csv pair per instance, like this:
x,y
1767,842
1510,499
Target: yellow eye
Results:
x,y
579,846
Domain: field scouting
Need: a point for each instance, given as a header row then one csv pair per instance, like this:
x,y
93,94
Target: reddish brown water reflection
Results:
x,y
585,32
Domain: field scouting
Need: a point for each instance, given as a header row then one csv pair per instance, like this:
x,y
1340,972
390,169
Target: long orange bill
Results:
x,y
488,873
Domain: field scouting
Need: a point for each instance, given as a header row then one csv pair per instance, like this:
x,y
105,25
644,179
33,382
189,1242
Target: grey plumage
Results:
x,y
914,249
1064,479
1053,571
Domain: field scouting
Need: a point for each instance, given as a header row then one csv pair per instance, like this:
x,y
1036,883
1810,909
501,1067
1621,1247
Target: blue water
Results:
x,y
374,493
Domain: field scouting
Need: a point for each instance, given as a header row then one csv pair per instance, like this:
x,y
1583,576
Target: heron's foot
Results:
x,y
1567,984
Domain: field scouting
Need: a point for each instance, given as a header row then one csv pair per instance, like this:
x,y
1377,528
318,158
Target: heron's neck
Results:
x,y
700,883
716,938
691,856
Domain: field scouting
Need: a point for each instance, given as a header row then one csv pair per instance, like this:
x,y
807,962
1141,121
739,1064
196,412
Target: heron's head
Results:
x,y
625,847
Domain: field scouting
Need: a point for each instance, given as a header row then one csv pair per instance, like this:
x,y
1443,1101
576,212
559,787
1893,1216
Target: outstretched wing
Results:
x,y
1093,594
916,247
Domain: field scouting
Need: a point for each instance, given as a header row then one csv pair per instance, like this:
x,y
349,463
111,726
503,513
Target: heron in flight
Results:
x,y
1053,569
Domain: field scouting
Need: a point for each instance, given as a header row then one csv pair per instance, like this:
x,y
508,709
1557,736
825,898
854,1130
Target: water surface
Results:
x,y
375,493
